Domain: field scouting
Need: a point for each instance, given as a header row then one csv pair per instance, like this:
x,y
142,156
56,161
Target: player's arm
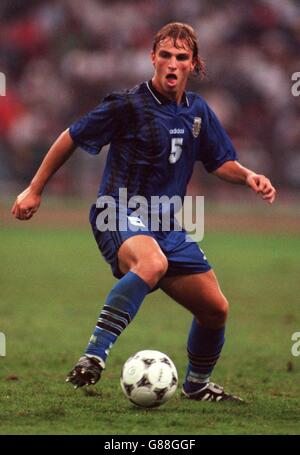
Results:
x,y
28,202
233,172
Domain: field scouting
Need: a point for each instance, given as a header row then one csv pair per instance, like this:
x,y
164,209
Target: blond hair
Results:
x,y
179,30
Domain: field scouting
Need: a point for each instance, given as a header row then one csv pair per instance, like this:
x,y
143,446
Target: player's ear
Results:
x,y
152,56
193,64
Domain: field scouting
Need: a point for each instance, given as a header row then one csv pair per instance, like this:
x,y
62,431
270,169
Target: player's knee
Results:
x,y
217,313
157,267
220,312
223,309
152,269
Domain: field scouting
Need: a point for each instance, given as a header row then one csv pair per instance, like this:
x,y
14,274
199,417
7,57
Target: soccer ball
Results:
x,y
149,378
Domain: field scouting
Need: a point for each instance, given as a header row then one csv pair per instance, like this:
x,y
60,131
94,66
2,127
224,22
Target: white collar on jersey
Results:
x,y
161,99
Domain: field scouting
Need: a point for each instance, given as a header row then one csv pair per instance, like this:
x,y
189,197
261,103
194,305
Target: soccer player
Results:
x,y
156,132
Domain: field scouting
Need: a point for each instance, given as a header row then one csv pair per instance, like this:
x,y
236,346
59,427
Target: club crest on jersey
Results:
x,y
196,126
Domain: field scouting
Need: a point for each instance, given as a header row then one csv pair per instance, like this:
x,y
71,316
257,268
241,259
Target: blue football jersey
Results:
x,y
154,142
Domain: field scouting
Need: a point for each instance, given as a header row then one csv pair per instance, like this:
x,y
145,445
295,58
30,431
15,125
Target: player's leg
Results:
x,y
143,256
200,293
142,264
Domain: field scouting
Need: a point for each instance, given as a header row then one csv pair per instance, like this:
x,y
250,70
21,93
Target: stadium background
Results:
x,y
60,59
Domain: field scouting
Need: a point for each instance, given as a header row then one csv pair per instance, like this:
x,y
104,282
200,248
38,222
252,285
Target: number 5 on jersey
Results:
x,y
176,149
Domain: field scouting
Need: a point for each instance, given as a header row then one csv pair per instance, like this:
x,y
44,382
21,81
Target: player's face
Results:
x,y
173,66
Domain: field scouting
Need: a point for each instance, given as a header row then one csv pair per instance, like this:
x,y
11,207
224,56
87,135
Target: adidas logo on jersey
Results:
x,y
177,131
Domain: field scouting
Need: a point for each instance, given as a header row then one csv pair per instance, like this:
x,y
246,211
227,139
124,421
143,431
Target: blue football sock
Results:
x,y
120,308
204,348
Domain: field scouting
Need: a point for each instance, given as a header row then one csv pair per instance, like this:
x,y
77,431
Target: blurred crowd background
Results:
x,y
61,57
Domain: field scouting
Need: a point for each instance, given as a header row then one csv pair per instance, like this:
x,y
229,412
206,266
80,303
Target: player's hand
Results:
x,y
262,185
26,204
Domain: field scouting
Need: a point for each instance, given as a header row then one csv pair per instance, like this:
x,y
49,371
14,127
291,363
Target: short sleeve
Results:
x,y
98,127
215,146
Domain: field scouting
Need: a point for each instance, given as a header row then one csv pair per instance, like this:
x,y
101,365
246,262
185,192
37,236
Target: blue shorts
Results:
x,y
183,257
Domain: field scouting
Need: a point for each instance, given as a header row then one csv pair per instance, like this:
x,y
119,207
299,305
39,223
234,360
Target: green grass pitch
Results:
x,y
53,284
